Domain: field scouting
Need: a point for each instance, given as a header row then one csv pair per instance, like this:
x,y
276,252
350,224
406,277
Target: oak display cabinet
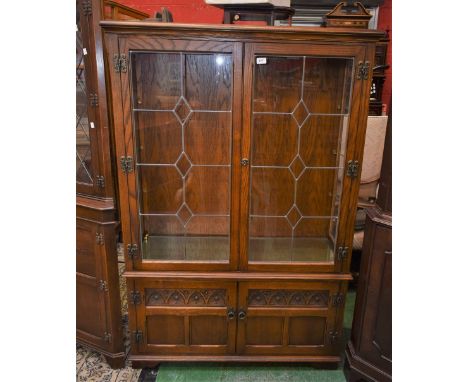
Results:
x,y
239,152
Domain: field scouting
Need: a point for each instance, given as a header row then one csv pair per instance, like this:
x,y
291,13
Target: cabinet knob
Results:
x,y
244,162
231,313
241,315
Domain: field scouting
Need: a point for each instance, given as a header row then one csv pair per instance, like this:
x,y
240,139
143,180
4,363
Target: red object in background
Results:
x,y
196,11
385,23
183,11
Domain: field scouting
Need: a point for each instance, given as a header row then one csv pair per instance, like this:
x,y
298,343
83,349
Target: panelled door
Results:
x,y
178,141
300,124
91,317
293,318
185,317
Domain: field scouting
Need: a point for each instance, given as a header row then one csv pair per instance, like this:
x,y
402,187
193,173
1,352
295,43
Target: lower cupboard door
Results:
x,y
187,318
278,318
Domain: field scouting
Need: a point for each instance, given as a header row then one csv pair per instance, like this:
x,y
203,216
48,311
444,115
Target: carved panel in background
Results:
x,y
259,297
188,297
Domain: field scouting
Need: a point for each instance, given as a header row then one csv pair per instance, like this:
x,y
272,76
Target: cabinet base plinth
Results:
x,y
139,361
115,360
357,369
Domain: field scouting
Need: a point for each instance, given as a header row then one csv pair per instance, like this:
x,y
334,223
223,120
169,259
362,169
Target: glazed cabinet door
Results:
x,y
185,317
288,318
178,140
87,165
301,122
91,323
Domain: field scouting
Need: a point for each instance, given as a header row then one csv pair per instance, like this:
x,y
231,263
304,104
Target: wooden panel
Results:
x,y
208,330
307,331
264,331
85,248
186,297
165,330
90,309
288,298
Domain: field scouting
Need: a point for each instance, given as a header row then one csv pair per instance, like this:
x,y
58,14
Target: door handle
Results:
x,y
231,313
241,315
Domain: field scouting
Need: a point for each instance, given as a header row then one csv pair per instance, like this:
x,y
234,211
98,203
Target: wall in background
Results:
x,y
196,11
183,11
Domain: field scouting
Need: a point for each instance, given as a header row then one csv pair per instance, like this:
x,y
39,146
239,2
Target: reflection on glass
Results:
x,y
299,130
83,143
182,115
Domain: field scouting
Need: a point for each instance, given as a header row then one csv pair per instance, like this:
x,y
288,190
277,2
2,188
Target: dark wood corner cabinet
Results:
x,y
238,151
369,351
98,317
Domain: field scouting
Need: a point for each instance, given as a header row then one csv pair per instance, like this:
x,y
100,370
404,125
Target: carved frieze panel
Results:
x,y
266,297
186,297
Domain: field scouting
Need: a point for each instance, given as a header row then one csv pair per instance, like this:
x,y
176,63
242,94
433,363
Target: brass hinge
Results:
x,y
333,337
93,99
100,181
352,169
138,334
120,63
342,253
126,163
107,337
132,251
338,299
103,285
135,297
87,7
100,238
363,70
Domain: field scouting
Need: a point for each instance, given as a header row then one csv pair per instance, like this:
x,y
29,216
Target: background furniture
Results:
x,y
239,154
378,77
369,351
267,13
98,317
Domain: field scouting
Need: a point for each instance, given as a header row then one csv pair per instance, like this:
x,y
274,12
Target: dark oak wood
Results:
x,y
369,351
97,282
237,188
98,320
